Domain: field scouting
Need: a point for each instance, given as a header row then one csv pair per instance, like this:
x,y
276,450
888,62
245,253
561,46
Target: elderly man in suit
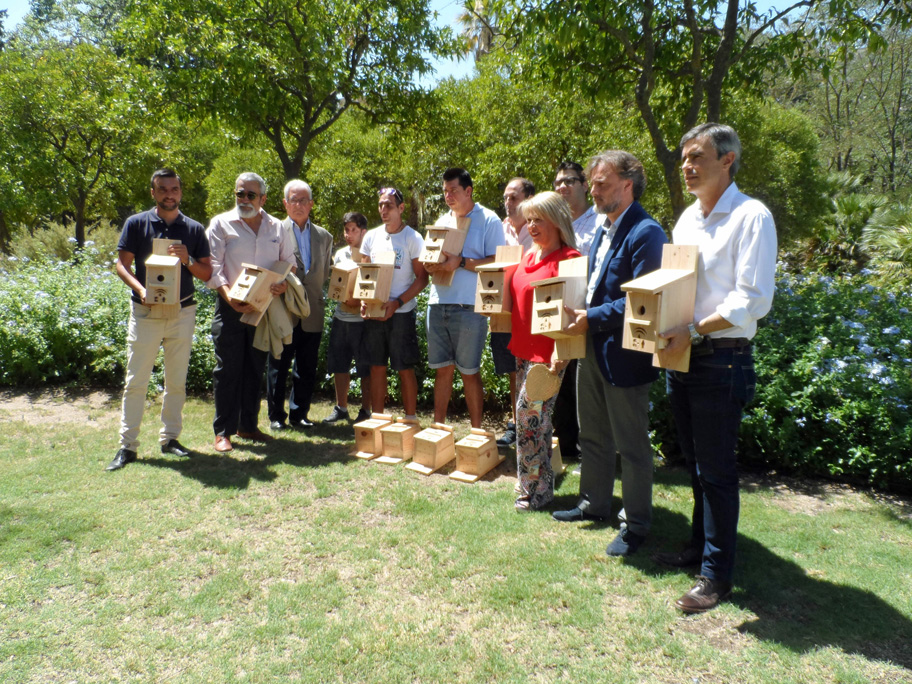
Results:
x,y
613,384
313,259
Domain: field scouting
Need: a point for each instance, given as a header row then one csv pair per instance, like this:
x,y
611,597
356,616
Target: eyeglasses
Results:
x,y
250,195
568,181
299,200
391,191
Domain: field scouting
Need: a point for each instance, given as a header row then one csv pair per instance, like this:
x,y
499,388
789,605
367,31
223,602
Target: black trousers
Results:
x,y
238,375
301,357
564,419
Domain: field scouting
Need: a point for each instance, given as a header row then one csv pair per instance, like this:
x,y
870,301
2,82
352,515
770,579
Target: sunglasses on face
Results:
x,y
249,195
568,181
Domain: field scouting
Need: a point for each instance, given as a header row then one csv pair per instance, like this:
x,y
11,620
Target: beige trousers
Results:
x,y
144,338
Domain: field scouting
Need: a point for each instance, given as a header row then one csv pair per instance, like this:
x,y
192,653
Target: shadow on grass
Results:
x,y
801,612
255,461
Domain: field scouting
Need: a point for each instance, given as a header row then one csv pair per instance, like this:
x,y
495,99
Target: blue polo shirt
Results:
x,y
138,233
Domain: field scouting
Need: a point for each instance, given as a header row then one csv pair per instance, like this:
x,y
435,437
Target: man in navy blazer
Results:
x,y
613,384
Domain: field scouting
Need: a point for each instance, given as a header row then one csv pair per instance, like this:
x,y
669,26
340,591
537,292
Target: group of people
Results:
x,y
602,408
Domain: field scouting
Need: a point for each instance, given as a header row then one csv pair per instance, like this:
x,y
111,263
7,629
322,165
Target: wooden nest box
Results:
x,y
342,280
476,456
659,301
440,239
434,448
373,283
492,279
398,441
368,440
252,286
549,299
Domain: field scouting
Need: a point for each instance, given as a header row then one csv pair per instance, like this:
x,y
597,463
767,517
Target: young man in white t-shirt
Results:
x,y
346,333
393,339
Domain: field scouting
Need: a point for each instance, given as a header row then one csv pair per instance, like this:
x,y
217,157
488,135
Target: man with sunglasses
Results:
x,y
246,234
392,340
313,257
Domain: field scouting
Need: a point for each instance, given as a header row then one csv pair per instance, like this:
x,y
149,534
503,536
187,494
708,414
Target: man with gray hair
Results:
x,y
613,383
735,284
246,234
313,256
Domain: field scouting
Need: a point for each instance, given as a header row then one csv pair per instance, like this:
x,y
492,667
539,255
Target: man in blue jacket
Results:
x,y
613,385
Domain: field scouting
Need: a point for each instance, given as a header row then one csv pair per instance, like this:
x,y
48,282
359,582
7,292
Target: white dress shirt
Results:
x,y
602,252
233,243
737,265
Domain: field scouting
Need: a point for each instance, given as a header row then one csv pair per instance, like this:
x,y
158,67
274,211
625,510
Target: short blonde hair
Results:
x,y
551,206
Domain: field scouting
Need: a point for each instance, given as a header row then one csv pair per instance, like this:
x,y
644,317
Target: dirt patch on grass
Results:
x,y
60,405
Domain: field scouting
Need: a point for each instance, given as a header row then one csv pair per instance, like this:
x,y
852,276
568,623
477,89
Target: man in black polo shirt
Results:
x,y
147,334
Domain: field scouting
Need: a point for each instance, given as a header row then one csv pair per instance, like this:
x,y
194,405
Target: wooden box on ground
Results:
x,y
368,440
440,239
557,462
549,299
398,441
492,279
659,301
434,448
373,283
476,456
252,286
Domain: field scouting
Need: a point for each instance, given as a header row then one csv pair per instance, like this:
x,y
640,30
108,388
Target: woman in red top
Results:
x,y
551,228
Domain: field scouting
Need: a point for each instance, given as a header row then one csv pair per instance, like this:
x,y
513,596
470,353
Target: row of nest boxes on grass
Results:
x,y
382,439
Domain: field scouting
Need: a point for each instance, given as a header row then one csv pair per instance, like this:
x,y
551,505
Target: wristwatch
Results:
x,y
190,261
401,303
462,263
695,337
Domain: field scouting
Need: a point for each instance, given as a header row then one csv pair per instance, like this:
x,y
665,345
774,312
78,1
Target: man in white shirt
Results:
x,y
455,333
246,234
735,285
393,339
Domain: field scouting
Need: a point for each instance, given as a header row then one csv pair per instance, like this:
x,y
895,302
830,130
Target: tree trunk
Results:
x,y
80,221
5,236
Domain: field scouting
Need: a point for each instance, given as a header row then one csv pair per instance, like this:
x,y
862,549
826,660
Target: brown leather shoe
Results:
x,y
223,444
705,595
256,436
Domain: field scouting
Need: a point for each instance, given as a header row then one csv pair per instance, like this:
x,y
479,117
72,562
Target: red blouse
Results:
x,y
525,345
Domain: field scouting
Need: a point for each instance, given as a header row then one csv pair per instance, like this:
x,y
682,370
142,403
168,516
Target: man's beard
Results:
x,y
247,210
167,205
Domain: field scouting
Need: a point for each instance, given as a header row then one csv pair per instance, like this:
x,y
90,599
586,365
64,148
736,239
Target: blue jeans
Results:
x,y
707,404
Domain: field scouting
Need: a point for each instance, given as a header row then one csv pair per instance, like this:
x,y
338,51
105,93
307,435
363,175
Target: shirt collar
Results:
x,y
724,203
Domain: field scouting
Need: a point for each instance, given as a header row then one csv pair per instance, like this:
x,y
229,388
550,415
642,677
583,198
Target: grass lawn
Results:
x,y
293,561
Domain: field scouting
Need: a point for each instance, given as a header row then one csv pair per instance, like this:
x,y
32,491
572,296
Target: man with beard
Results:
x,y
613,385
246,234
145,334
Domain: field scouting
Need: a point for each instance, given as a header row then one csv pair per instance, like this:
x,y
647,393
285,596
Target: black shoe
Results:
x,y
338,413
680,559
175,448
277,426
509,436
580,512
625,543
302,424
123,457
363,414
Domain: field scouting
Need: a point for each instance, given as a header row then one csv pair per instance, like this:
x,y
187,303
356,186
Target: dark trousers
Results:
x,y
707,404
304,352
238,374
565,420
